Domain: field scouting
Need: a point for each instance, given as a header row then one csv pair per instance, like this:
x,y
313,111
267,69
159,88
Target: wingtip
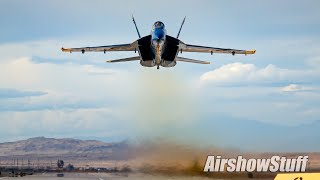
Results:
x,y
65,49
251,52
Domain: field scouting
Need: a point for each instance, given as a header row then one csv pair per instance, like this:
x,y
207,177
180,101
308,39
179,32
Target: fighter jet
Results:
x,y
158,48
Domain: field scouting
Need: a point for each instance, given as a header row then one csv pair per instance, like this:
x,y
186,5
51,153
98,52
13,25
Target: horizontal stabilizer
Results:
x,y
136,58
191,60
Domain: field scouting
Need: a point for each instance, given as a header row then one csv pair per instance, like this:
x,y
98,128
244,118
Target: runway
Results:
x,y
106,176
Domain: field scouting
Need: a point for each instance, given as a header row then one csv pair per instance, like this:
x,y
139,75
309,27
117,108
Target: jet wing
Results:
x,y
119,47
135,58
195,48
191,60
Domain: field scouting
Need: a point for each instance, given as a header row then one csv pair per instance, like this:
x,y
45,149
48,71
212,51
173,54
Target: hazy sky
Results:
x,y
264,102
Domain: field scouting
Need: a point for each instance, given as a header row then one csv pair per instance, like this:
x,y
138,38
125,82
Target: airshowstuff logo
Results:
x,y
240,164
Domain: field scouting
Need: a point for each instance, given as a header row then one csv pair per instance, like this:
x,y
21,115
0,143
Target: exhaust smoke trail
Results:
x,y
162,105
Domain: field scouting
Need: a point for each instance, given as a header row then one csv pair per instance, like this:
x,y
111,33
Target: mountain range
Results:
x,y
42,147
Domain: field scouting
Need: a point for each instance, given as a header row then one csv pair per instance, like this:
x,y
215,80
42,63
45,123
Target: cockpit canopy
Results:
x,y
158,24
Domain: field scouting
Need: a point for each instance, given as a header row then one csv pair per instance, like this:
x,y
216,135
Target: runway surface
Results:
x,y
99,176
104,176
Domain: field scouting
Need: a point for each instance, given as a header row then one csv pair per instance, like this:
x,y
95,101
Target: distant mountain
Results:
x,y
155,152
65,147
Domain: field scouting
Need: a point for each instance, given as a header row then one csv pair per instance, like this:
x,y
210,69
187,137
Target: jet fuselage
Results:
x,y
158,37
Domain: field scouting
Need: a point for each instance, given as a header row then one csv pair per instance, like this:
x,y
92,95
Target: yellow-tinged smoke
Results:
x,y
162,103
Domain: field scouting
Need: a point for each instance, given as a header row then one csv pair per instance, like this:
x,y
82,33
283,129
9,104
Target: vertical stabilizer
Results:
x,y
136,26
181,26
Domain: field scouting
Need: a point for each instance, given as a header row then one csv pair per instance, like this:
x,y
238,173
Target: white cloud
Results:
x,y
228,73
237,73
23,73
294,88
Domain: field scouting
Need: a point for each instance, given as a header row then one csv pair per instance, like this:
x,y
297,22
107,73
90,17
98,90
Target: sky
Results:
x,y
269,101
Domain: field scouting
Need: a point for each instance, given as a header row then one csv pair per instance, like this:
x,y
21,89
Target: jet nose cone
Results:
x,y
158,34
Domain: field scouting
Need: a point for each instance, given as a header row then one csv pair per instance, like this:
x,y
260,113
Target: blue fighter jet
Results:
x,y
158,48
